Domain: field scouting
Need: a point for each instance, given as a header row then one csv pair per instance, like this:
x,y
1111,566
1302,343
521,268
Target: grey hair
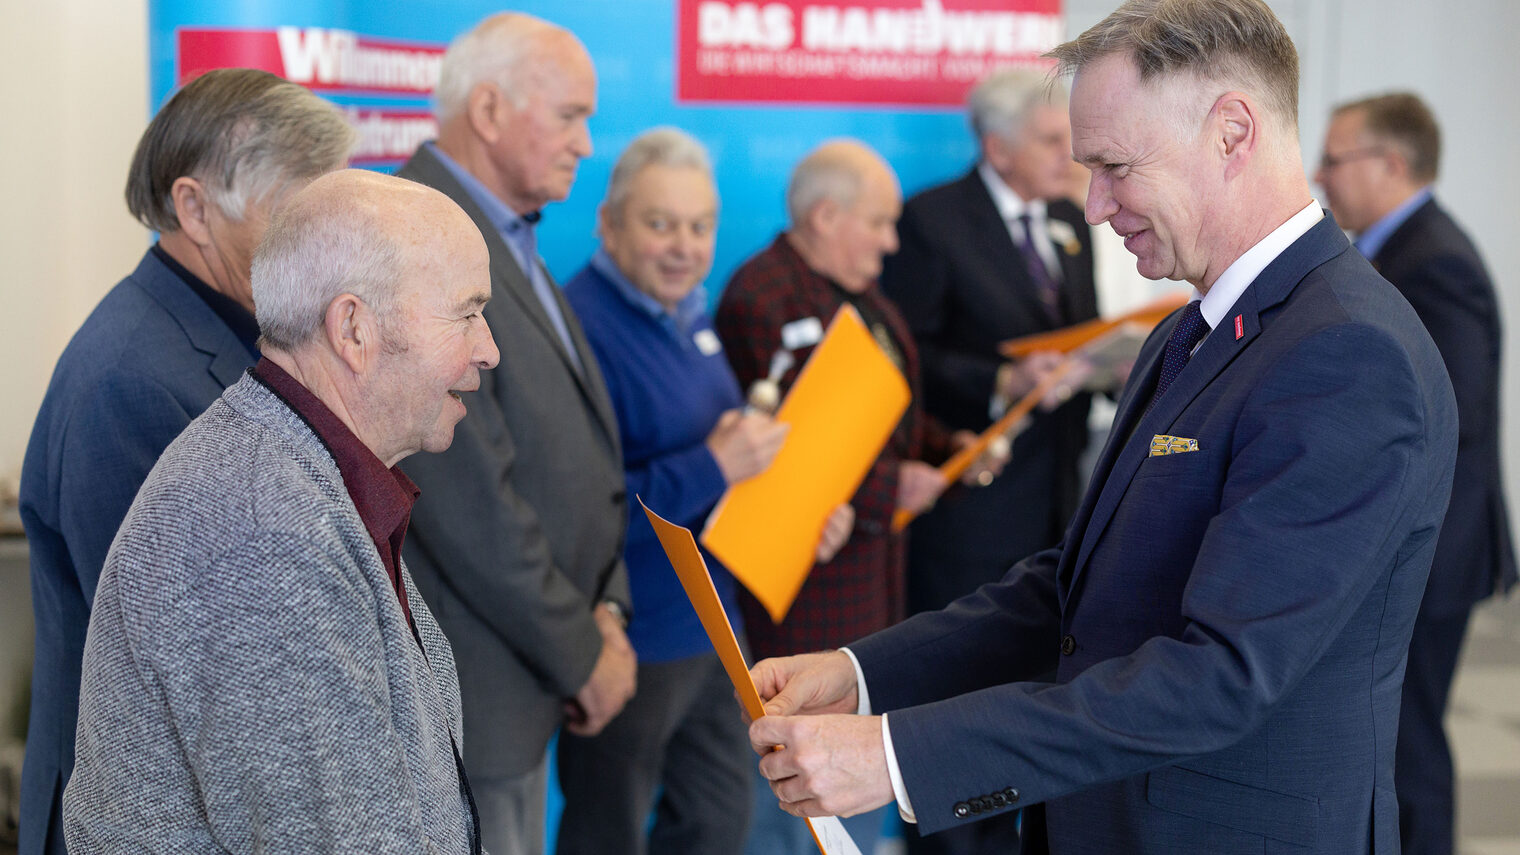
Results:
x,y
498,51
662,146
1002,101
1238,43
311,254
247,135
821,177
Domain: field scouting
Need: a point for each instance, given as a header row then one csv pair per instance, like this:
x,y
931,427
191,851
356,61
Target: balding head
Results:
x,y
349,232
369,292
844,202
513,98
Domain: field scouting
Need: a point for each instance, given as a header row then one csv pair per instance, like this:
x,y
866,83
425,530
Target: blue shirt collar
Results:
x,y
506,221
681,321
1370,242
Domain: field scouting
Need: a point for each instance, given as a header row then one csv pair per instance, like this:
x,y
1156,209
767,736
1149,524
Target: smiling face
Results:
x,y
436,341
540,145
1154,185
663,237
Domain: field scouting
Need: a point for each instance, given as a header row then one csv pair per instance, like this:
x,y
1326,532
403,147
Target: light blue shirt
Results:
x,y
678,323
519,237
1370,242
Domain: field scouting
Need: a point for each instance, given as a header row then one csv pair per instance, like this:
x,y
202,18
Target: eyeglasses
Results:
x,y
1329,161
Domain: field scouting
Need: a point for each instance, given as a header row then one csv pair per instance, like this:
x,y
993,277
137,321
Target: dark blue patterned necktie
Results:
x,y
1049,287
1190,329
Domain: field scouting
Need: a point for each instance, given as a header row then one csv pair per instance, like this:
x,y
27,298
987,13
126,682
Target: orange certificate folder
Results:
x,y
681,549
842,409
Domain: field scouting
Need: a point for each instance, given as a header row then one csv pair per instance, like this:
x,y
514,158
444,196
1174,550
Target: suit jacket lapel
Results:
x,y
202,326
427,169
1124,456
989,229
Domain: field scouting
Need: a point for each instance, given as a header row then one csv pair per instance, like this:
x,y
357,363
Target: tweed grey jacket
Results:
x,y
250,682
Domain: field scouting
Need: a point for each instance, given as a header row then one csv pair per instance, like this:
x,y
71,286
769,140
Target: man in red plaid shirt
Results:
x,y
843,203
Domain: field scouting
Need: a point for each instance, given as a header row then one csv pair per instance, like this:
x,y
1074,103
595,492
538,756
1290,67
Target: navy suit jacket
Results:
x,y
1438,270
1227,627
150,358
964,287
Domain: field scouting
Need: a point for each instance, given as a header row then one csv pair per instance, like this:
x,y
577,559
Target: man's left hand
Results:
x,y
823,765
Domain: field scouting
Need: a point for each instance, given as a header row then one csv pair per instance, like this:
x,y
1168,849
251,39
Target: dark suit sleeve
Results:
x,y
1328,453
917,278
106,453
498,560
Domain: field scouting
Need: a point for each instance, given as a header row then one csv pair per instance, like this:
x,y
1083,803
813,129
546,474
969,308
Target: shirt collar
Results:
x,y
238,319
1370,242
1239,276
383,497
1010,205
686,312
506,221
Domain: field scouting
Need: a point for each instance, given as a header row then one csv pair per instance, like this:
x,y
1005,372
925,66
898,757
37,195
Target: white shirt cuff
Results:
x,y
899,790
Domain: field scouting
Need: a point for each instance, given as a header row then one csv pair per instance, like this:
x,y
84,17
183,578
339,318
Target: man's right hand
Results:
x,y
612,683
745,443
810,684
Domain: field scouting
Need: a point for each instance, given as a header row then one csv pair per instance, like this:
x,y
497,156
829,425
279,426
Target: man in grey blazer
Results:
x,y
518,542
260,674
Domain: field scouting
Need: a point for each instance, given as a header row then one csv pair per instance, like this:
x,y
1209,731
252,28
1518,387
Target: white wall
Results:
x,y
75,99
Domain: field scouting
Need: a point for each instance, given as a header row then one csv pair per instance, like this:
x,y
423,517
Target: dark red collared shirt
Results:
x,y
383,497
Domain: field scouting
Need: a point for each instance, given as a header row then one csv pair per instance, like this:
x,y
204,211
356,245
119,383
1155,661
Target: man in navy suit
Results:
x,y
1381,157
215,163
1211,661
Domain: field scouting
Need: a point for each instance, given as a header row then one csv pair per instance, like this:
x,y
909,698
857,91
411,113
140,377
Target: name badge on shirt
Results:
x,y
799,334
707,342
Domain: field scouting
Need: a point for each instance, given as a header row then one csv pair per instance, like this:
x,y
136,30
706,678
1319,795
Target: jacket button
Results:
x,y
1012,795
1068,646
999,800
962,810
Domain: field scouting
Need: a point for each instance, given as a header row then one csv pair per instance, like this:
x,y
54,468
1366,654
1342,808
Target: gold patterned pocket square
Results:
x,y
1162,444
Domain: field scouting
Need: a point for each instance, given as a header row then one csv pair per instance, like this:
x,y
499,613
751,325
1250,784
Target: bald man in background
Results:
x,y
843,202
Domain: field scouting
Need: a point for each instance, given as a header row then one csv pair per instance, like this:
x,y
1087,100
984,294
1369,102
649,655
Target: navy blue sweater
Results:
x,y
668,389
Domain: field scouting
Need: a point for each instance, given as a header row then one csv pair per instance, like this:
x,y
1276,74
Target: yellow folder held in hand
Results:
x,y
842,410
681,549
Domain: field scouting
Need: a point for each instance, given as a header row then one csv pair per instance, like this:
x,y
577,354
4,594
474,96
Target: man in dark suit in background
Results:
x,y
517,541
1212,660
1381,157
213,166
994,255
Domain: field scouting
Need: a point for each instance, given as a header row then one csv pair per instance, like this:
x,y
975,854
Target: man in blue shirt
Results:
x,y
1381,156
685,439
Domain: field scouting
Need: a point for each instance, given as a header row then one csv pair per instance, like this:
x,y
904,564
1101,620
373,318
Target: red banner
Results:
x,y
882,52
318,58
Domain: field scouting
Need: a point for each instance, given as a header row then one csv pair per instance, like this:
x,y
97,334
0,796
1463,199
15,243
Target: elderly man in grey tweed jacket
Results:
x,y
260,674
